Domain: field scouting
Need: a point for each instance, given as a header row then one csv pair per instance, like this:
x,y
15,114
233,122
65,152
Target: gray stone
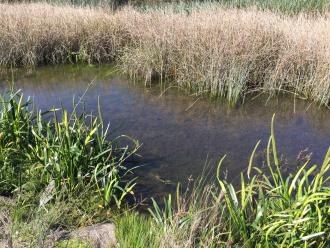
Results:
x,y
48,194
101,235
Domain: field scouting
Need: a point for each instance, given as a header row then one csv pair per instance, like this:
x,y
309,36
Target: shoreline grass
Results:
x,y
211,50
60,153
58,170
269,209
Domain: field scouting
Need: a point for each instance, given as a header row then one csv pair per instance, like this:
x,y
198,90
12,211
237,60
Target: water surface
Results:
x,y
180,133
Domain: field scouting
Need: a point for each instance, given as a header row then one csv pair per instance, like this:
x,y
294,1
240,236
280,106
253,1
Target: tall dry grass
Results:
x,y
224,52
227,52
35,34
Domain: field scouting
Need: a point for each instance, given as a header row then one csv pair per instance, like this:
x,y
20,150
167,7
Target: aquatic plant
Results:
x,y
61,153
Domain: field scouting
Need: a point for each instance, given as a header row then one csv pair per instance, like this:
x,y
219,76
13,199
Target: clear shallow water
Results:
x,y
178,132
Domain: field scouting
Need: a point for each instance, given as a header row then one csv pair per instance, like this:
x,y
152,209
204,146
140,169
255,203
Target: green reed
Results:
x,y
70,151
287,210
15,130
269,209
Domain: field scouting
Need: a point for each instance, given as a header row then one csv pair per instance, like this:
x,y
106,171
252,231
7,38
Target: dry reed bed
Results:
x,y
35,34
225,52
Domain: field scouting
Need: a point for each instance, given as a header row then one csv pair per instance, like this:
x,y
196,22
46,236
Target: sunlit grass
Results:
x,y
270,209
136,230
221,52
61,152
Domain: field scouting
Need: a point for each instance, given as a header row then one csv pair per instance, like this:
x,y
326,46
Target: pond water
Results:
x,y
181,133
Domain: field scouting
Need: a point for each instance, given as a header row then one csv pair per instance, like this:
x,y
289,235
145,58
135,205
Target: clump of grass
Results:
x,y
136,230
15,126
60,153
289,210
271,209
74,243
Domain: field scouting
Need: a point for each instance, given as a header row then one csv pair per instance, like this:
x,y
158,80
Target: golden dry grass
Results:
x,y
34,34
225,52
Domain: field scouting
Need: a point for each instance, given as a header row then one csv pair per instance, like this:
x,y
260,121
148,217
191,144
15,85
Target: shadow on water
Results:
x,y
179,132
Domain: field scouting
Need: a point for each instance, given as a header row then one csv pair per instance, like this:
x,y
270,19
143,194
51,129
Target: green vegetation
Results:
x,y
270,209
59,169
73,244
136,230
285,6
290,7
63,155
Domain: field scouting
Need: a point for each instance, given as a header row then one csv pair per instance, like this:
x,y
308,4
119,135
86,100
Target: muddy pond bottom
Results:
x,y
181,134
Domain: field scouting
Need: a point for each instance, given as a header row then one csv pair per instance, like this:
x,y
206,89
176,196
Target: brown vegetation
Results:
x,y
225,52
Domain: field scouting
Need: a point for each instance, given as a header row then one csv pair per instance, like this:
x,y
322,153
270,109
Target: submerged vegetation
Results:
x,y
224,52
